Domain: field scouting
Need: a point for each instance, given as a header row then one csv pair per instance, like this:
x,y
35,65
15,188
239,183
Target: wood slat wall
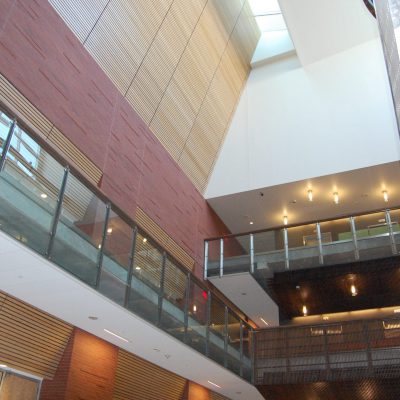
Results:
x,y
181,64
139,379
30,339
27,113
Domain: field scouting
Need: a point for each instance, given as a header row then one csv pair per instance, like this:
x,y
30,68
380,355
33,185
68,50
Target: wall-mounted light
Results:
x,y
109,230
285,220
305,311
310,195
385,195
336,197
353,290
194,308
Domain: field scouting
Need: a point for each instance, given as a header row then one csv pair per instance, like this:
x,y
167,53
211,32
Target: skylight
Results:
x,y
268,15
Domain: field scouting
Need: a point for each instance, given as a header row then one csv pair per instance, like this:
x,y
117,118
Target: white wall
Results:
x,y
295,122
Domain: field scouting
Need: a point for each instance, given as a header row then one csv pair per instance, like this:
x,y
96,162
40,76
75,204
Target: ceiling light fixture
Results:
x,y
336,197
397,311
305,311
214,384
43,196
285,220
325,318
109,230
353,290
194,308
137,268
144,240
117,336
3,366
385,195
251,222
310,195
265,322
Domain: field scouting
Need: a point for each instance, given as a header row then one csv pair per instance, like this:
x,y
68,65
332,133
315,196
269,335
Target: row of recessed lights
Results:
x,y
335,195
353,292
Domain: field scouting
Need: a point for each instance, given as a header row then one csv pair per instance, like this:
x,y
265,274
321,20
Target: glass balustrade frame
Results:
x,y
180,303
356,241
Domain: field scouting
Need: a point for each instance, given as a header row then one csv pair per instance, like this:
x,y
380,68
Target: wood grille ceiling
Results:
x,y
26,112
181,64
30,339
162,238
138,379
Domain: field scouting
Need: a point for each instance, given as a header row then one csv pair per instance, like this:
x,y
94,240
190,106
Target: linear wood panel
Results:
x,y
181,64
30,339
162,238
139,379
216,396
27,113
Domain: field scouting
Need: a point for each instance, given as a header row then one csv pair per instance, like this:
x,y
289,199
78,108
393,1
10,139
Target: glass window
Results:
x,y
116,258
79,232
217,331
233,355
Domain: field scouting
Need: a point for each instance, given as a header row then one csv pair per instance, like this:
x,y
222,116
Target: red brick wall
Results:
x,y
86,371
47,63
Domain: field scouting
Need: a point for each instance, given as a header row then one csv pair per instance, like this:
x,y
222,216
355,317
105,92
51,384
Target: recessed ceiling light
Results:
x,y
137,268
285,220
353,290
109,230
144,240
214,384
156,350
298,287
43,196
117,336
336,197
305,311
244,294
194,308
93,318
325,318
265,322
385,195
397,311
251,223
310,195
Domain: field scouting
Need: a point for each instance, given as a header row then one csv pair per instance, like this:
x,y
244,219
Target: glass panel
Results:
x,y
236,254
246,366
79,231
5,124
197,321
233,356
18,388
213,257
29,187
217,331
395,218
173,305
337,241
116,259
303,247
269,253
146,279
373,236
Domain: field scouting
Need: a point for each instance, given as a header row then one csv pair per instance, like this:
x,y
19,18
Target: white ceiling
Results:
x,y
321,28
246,293
359,190
33,279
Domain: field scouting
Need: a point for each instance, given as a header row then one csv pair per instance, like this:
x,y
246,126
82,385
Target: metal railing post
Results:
x,y
354,235
286,247
226,338
221,257
57,213
131,266
391,234
186,308
253,356
251,253
7,144
241,348
161,293
319,238
206,260
208,323
102,245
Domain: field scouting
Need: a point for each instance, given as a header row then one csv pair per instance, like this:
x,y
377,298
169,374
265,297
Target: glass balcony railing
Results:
x,y
48,208
343,240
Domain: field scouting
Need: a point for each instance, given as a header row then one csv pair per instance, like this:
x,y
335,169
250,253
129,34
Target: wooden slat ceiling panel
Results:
x,y
80,15
139,379
164,56
30,339
216,396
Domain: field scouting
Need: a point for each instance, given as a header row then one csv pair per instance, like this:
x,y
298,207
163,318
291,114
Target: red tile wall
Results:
x,y
46,62
86,371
